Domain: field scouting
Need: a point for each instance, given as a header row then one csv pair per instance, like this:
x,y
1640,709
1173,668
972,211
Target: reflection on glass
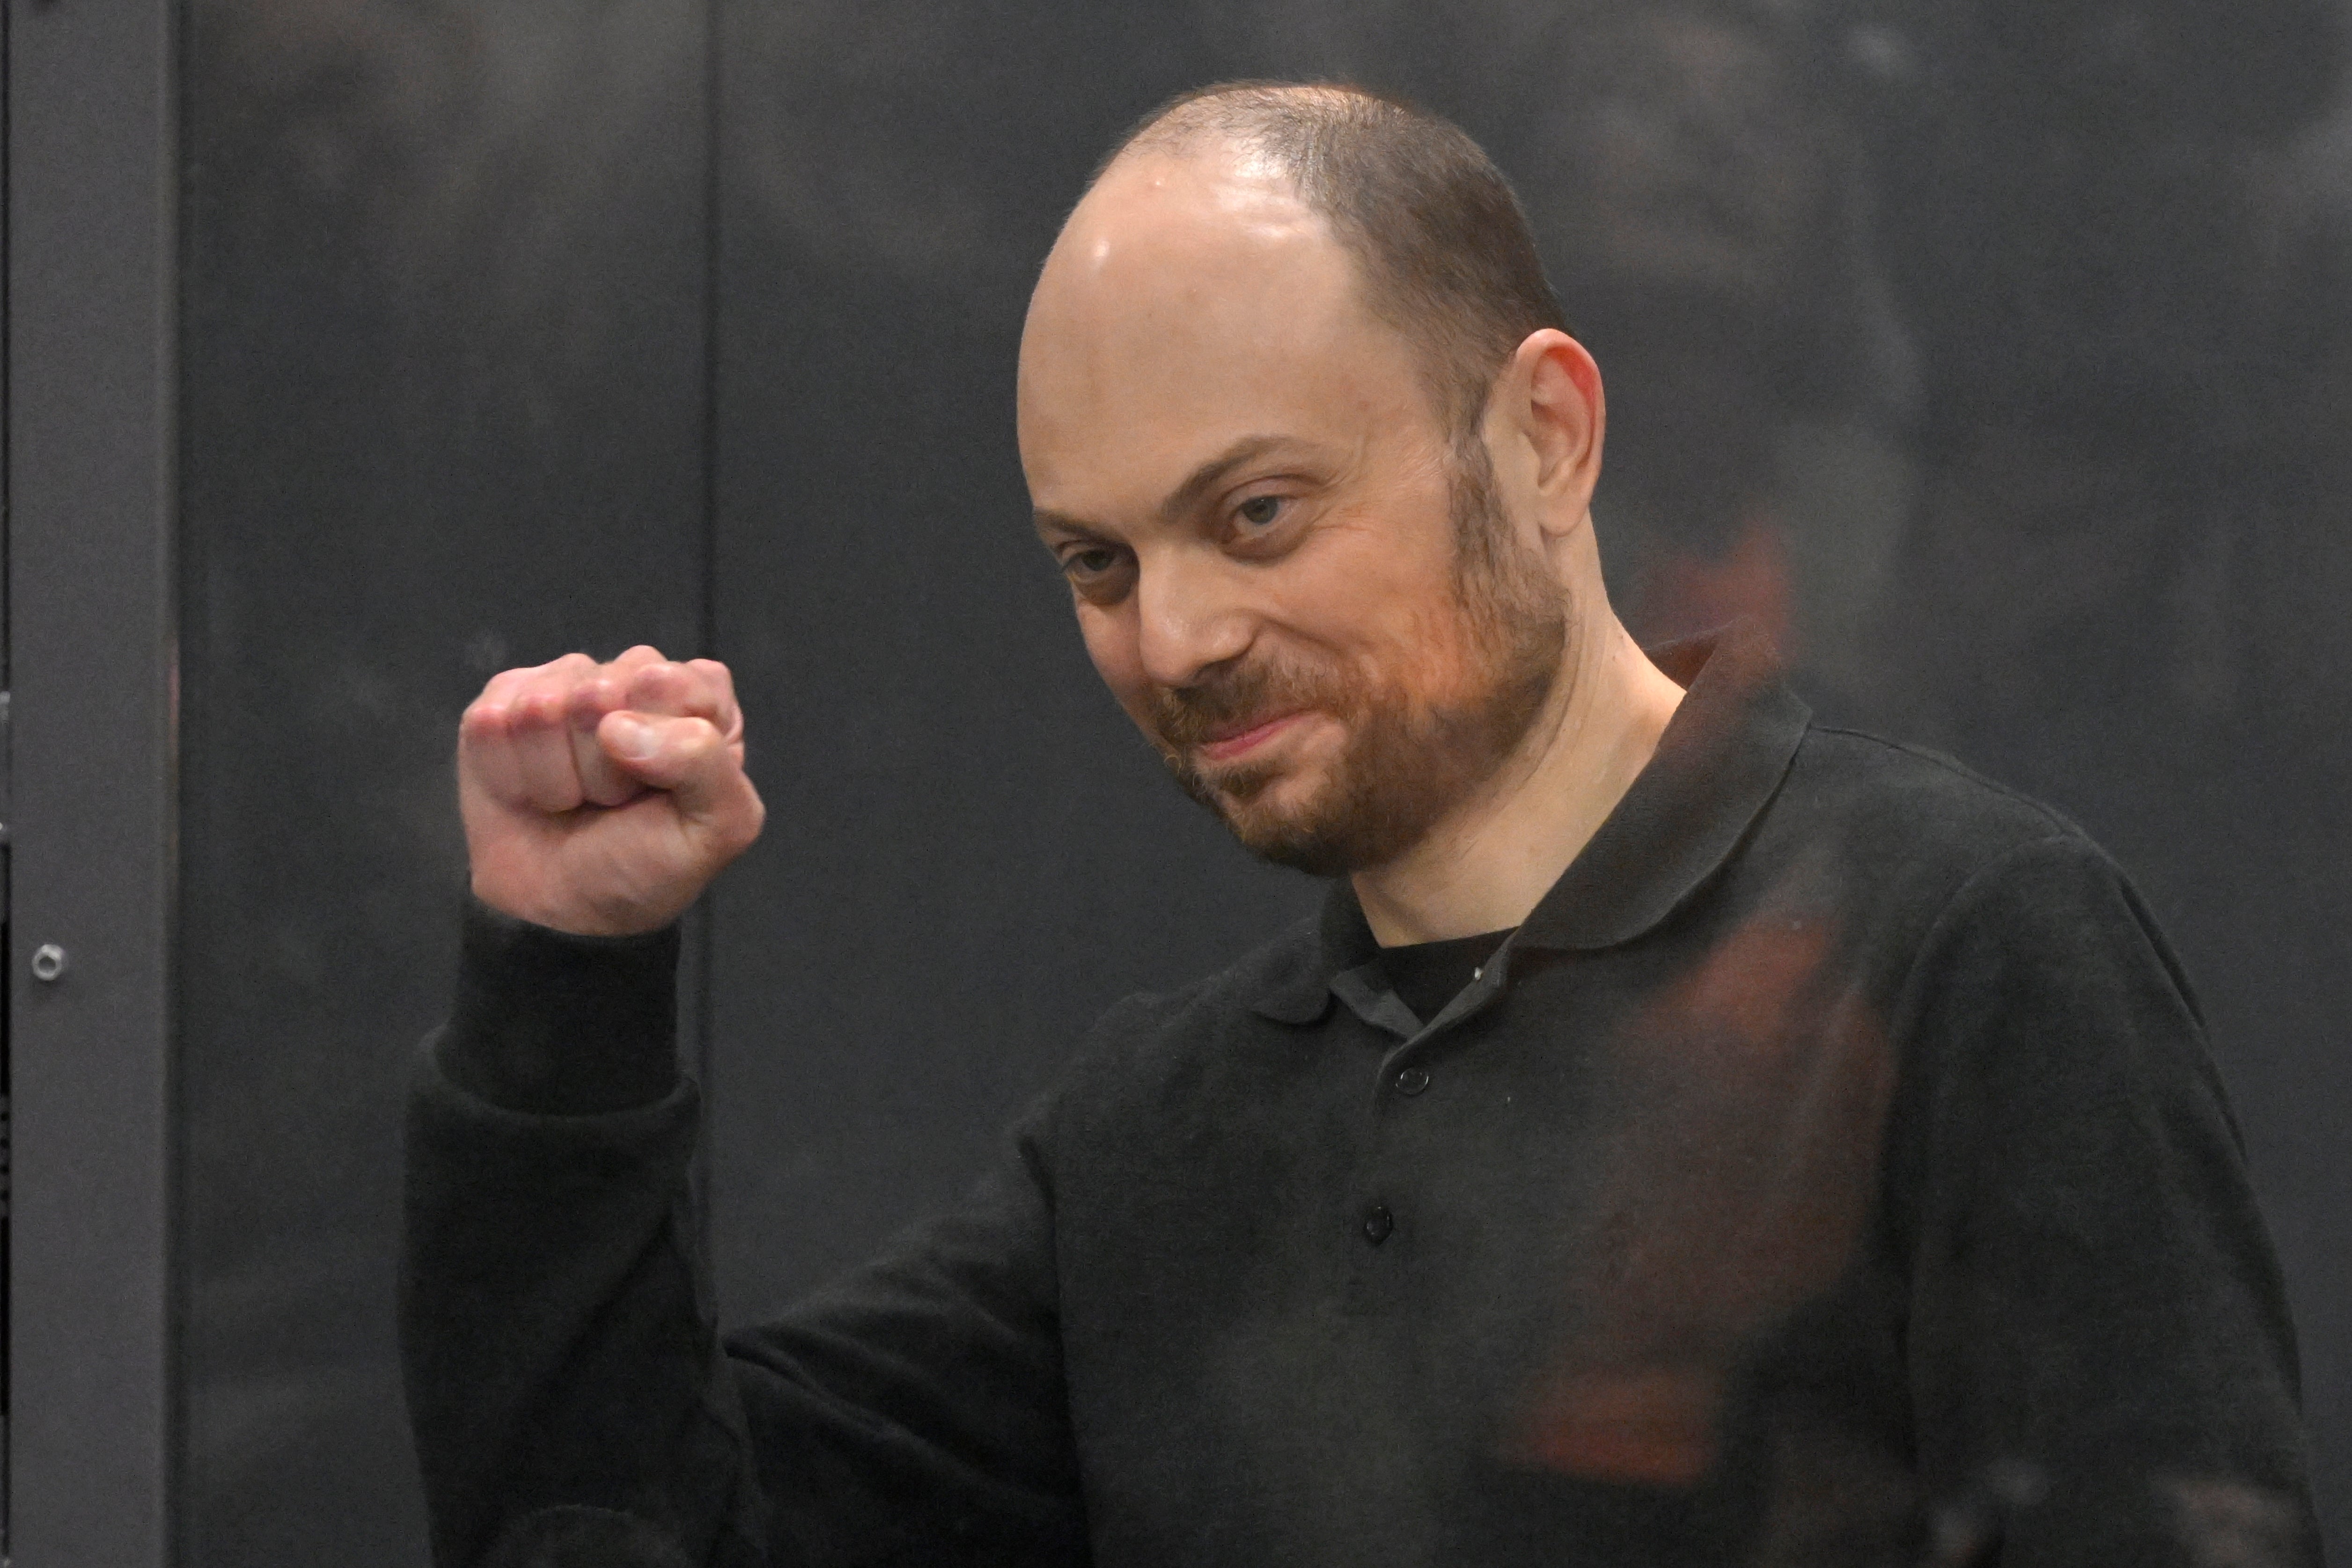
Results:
x,y
1992,358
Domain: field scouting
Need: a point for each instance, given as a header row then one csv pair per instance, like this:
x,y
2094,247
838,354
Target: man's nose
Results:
x,y
1192,616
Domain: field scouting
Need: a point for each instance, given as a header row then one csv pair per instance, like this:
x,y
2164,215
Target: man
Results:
x,y
1688,1136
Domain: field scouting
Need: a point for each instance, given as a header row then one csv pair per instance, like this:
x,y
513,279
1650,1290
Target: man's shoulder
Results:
x,y
1907,835
1914,804
1959,898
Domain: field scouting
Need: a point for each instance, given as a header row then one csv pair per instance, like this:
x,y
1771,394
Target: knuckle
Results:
x,y
590,698
541,707
557,669
502,686
484,718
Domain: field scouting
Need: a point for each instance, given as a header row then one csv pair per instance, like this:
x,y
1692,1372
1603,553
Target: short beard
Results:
x,y
1407,764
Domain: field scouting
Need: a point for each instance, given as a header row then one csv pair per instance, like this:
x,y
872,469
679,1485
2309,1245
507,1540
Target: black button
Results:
x,y
1412,1081
1378,1223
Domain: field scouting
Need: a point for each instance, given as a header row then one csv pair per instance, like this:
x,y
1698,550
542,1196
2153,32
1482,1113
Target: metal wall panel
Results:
x,y
444,396
91,285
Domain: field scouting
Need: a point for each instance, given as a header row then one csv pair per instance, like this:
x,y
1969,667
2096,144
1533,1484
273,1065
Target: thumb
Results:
x,y
691,759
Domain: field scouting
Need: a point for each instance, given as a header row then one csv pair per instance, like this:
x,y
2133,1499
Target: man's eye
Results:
x,y
1086,563
1260,511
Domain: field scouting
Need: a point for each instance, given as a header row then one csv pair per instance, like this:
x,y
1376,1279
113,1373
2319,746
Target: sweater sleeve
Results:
x,y
2095,1306
570,1396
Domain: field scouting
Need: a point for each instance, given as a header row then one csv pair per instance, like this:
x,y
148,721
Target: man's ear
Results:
x,y
1554,393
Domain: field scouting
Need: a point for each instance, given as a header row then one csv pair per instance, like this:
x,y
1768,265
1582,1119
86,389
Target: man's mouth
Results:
x,y
1229,743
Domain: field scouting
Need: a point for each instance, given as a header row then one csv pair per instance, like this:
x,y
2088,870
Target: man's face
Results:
x,y
1260,516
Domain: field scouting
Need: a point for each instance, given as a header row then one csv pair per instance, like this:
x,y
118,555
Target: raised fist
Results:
x,y
601,799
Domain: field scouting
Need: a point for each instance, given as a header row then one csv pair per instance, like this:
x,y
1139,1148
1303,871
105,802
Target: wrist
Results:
x,y
593,922
560,1023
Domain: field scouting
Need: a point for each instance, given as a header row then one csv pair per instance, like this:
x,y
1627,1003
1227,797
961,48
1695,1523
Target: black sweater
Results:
x,y
1831,1170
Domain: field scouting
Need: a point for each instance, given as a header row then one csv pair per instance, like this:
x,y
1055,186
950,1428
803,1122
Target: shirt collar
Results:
x,y
1720,761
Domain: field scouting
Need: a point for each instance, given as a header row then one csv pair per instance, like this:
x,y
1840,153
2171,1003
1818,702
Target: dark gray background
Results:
x,y
1999,352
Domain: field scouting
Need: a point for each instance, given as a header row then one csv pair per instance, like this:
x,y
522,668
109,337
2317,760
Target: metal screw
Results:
x,y
48,962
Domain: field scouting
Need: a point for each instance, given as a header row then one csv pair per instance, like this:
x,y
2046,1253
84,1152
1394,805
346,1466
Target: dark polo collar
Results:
x,y
1721,759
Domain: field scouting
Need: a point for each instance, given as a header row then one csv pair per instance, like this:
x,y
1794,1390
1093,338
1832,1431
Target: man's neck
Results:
x,y
1485,866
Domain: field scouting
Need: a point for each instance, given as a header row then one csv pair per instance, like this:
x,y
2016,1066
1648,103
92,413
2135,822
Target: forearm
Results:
x,y
560,1353
557,1350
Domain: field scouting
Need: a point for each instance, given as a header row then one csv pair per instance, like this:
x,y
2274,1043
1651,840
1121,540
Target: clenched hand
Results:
x,y
601,799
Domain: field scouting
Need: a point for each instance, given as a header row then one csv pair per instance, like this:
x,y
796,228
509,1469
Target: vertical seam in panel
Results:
x,y
707,586
7,800
170,393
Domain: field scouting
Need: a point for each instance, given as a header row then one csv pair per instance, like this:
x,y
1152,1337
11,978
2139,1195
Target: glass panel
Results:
x,y
443,413
1995,358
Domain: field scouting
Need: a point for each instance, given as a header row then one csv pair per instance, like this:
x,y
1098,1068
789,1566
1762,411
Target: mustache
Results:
x,y
1235,699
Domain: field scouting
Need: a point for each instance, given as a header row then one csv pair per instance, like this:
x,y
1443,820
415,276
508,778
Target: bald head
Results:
x,y
1441,248
1183,291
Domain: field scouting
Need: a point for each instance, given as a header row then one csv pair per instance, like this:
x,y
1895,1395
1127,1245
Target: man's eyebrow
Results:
x,y
1185,497
1204,478
1050,521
